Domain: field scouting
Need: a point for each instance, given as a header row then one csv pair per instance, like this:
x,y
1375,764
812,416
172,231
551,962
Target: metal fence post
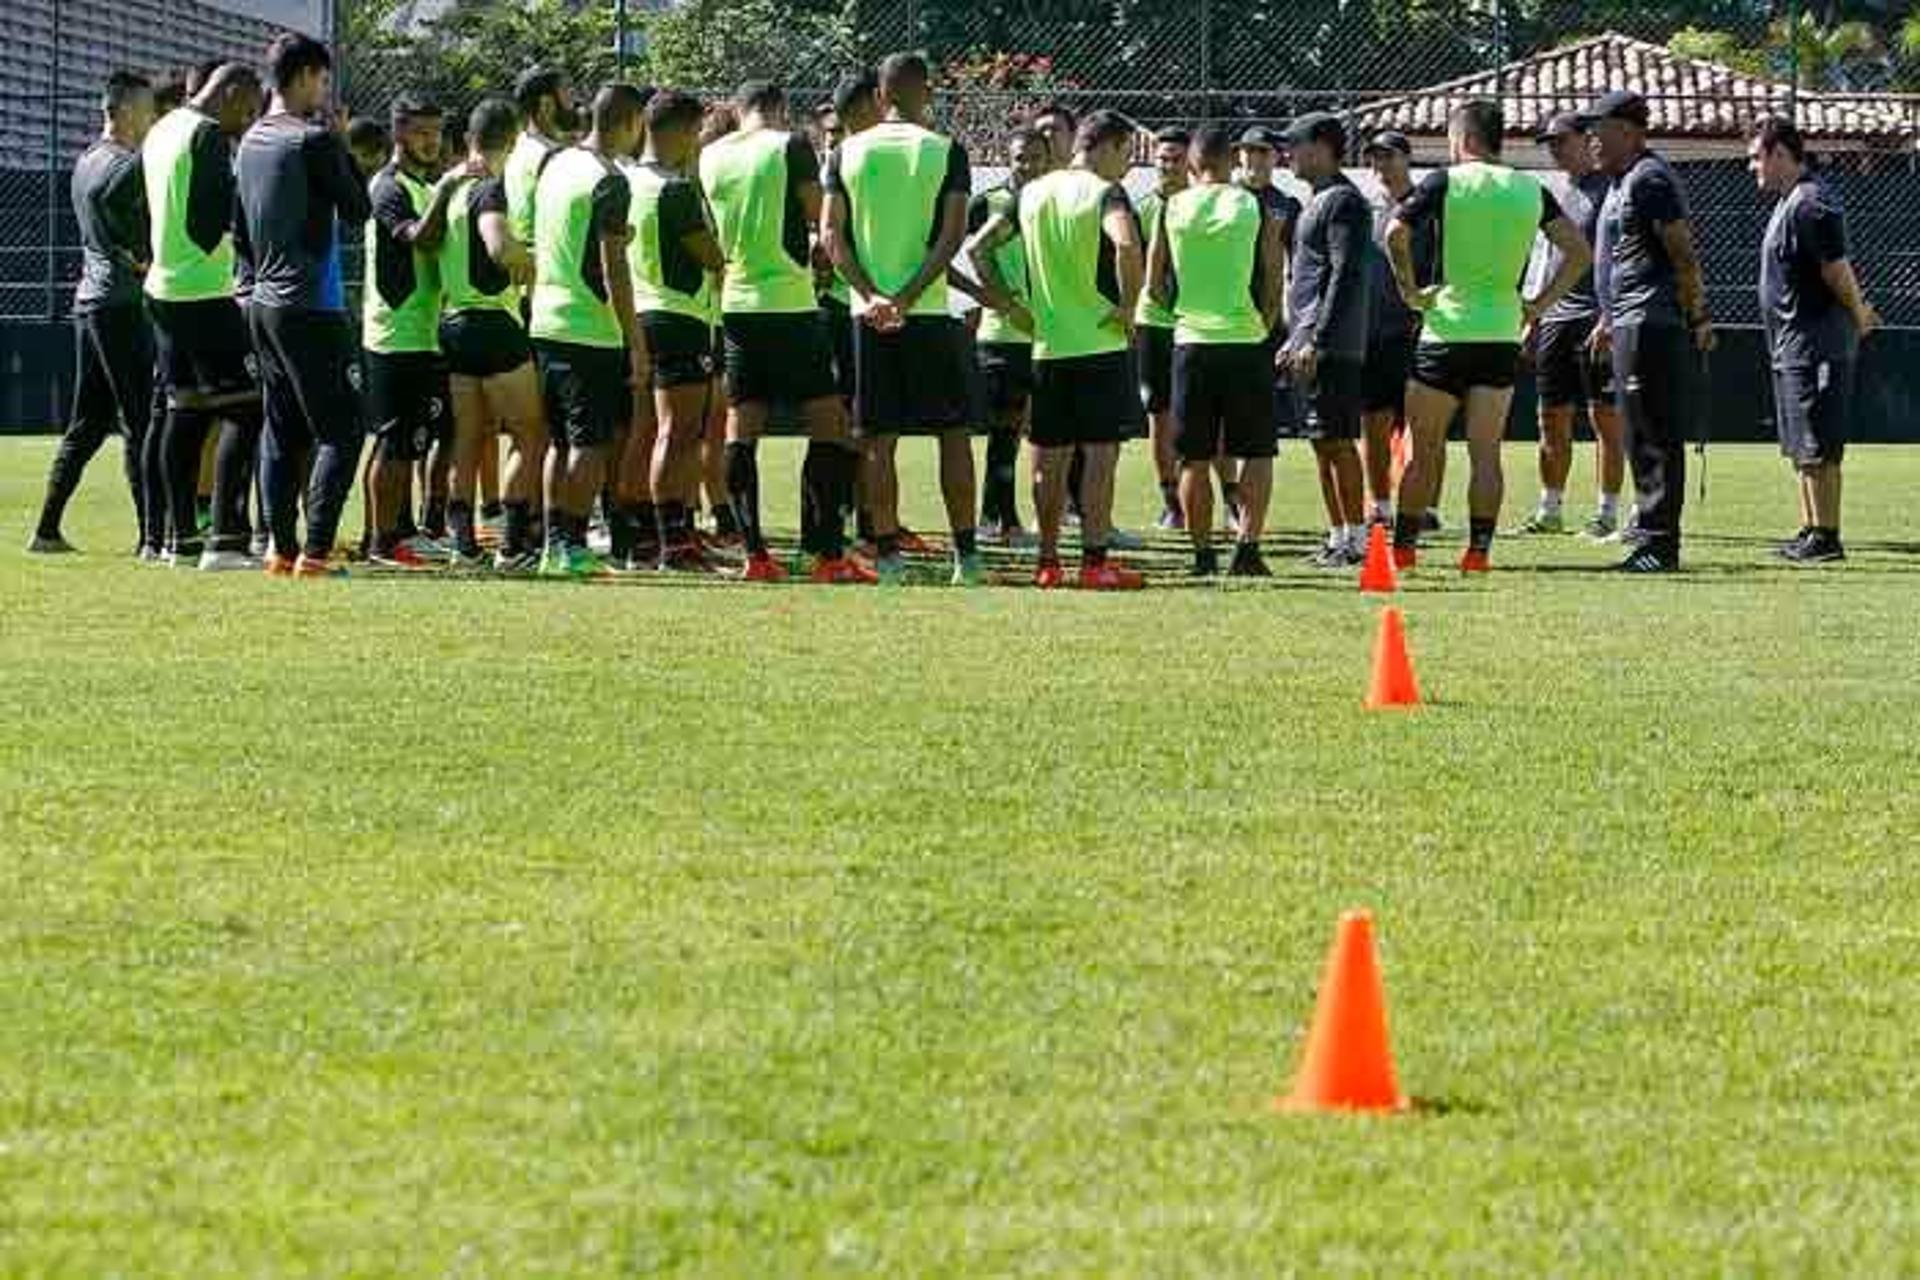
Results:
x,y
1206,59
1793,59
52,165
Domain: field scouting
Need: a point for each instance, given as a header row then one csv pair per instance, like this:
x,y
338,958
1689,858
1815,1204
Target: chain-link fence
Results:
x,y
1708,67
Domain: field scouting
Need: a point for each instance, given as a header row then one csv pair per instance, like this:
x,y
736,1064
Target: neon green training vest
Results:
x,y
1213,234
893,175
745,177
182,271
1486,236
566,254
1060,217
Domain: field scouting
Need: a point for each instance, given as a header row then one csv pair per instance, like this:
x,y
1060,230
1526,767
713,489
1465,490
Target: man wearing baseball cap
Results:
x,y
1260,150
1653,316
1395,325
1567,374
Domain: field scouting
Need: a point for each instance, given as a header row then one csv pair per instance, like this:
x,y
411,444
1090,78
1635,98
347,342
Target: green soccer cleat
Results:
x,y
1547,522
969,570
891,570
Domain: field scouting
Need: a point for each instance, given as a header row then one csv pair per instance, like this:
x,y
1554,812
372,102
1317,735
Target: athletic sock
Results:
x,y
724,525
1170,496
434,518
813,497
1230,494
743,491
1076,477
519,527
674,526
1206,561
1381,511
1354,537
1406,530
1480,533
491,510
999,504
965,542
886,544
460,526
1093,557
841,464
646,532
1610,505
1551,500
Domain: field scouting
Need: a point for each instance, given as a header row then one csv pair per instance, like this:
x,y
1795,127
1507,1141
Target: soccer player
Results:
x,y
1395,326
296,178
1653,318
491,377
676,264
1485,216
547,114
763,187
113,350
585,336
405,376
1154,323
1084,266
1815,316
1057,123
1226,254
1004,350
187,166
1260,150
1566,370
1330,299
895,215
855,109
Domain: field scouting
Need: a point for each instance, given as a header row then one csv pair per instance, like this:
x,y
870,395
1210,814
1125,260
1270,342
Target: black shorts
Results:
x,y
1565,370
406,402
483,343
1455,368
1153,360
204,346
1222,401
913,381
309,374
1383,386
681,348
588,392
783,356
1333,402
1007,370
839,320
1085,400
1813,409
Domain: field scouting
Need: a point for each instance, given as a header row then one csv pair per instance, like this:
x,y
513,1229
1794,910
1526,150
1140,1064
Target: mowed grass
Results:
x,y
519,929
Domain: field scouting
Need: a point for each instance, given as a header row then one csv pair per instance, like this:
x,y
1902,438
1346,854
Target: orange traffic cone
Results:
x,y
1348,1064
1393,681
1377,574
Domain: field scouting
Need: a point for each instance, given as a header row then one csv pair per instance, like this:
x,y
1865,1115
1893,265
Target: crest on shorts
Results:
x,y
353,375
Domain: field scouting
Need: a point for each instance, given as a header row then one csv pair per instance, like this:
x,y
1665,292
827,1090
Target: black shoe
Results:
x,y
1430,522
1789,549
1650,558
1206,563
1818,547
1248,563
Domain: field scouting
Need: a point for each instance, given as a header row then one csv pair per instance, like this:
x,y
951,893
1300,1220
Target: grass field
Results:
x,y
513,929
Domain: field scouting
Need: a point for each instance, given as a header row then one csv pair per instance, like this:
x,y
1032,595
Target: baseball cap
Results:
x,y
1318,126
1261,136
1388,140
1560,125
1621,104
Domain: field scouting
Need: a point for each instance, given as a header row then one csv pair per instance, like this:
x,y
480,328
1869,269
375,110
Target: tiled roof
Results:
x,y
1687,98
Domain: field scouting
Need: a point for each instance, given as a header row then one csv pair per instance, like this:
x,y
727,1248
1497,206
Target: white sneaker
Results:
x,y
212,561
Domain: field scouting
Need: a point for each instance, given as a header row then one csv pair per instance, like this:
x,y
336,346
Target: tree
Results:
x,y
716,44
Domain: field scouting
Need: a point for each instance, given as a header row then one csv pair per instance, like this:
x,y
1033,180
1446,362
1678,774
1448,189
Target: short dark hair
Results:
x,y
618,104
1102,127
492,124
292,55
852,90
1484,122
122,86
1214,143
169,94
1778,131
1025,135
364,133
1175,135
1061,109
761,96
672,109
200,72
905,68
535,83
410,106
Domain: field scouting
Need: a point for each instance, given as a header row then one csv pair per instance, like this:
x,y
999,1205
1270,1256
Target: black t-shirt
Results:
x,y
1276,206
1633,274
294,178
1393,319
1580,200
1331,296
1806,325
110,206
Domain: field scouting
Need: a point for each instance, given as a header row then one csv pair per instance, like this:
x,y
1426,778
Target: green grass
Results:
x,y
517,929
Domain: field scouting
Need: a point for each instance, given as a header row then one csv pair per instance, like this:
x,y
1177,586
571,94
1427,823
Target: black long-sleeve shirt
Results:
x,y
295,178
110,205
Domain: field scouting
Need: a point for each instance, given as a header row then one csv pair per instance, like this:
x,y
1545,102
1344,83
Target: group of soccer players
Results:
x,y
629,293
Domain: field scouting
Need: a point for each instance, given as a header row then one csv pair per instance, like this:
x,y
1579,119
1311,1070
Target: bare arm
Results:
x,y
1129,263
1840,278
1576,259
1677,236
1273,273
1160,265
979,251
1400,257
508,253
619,277
839,242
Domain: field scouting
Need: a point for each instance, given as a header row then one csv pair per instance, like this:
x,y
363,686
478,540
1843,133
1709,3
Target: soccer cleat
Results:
x,y
212,561
259,544
585,563
890,570
1815,548
50,546
1787,550
429,550
516,563
1206,563
275,565
148,554
1405,558
1651,559
1108,576
1432,523
401,555
837,571
1600,527
1542,521
1119,539
316,567
762,567
1476,560
969,570
1049,576
912,544
467,559
1248,563
553,561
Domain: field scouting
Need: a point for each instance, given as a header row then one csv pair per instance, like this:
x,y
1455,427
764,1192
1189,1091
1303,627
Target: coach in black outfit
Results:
x,y
1815,316
1653,315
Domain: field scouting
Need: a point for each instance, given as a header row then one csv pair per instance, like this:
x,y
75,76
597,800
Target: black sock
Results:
x,y
460,525
404,525
1093,557
1076,476
646,531
842,465
519,538
1170,495
887,544
435,517
1406,529
491,510
965,541
999,503
743,491
1480,533
724,525
673,525
813,500
1230,493
1206,561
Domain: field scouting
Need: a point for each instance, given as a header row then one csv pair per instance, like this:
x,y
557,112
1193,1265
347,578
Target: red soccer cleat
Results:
x,y
841,571
278,566
912,544
1405,557
764,568
1049,576
1476,560
1110,577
